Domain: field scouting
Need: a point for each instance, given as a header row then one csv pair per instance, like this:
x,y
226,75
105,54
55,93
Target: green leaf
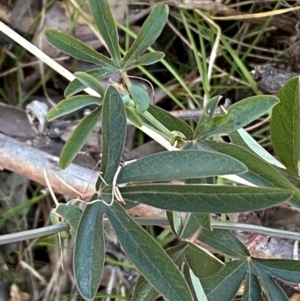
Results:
x,y
149,58
107,27
148,255
242,113
144,291
252,290
171,122
71,105
205,199
90,81
242,138
78,49
72,215
77,86
285,269
89,251
193,222
198,289
226,282
149,32
140,97
201,261
259,172
224,241
78,138
185,164
285,127
206,119
114,126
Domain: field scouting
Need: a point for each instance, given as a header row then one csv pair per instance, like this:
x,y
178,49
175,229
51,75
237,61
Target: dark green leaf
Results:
x,y
144,291
206,119
76,86
259,172
78,138
107,27
90,81
285,127
149,32
252,290
224,241
170,122
205,199
285,269
185,164
71,214
78,49
140,97
193,222
89,251
71,105
226,282
149,58
242,113
113,133
147,255
273,290
201,262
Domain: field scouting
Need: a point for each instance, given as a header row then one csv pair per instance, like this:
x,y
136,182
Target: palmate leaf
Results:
x,y
147,255
285,127
107,27
258,272
149,32
113,134
240,114
78,49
